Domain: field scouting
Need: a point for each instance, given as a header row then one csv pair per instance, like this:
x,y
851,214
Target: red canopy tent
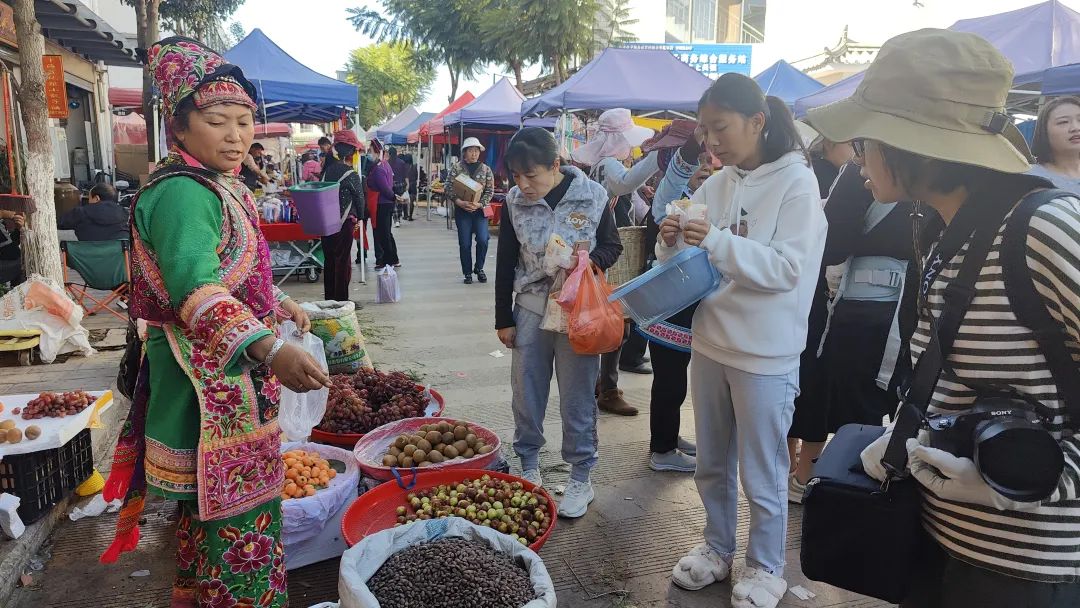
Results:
x,y
434,127
125,98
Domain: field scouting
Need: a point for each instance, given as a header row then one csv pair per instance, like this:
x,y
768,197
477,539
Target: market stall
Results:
x,y
432,132
387,132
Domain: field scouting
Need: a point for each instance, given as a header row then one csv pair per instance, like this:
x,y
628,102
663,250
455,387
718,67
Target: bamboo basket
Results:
x,y
632,261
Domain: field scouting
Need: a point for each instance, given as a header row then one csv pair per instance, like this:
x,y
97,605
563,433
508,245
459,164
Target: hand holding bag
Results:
x,y
596,326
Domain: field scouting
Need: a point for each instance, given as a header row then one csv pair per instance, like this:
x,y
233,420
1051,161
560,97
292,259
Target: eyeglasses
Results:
x,y
859,146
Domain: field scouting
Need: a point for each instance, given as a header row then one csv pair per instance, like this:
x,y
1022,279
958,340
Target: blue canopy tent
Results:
x,y
1064,80
787,82
400,136
1034,38
288,90
385,132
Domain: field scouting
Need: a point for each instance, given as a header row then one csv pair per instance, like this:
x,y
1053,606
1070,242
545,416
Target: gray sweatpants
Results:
x,y
536,352
741,422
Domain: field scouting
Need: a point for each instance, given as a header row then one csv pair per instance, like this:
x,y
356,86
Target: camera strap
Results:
x,y
981,223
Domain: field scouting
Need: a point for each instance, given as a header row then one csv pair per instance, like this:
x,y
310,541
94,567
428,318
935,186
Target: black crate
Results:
x,y
43,478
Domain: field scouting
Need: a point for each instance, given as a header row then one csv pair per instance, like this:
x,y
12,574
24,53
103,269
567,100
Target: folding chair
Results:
x,y
102,265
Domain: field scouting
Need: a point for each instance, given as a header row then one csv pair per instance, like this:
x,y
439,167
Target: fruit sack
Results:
x,y
360,562
335,323
304,518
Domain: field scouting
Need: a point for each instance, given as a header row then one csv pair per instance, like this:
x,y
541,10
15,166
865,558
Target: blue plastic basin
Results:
x,y
668,288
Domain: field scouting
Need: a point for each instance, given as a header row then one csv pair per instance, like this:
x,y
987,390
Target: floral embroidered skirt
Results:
x,y
230,563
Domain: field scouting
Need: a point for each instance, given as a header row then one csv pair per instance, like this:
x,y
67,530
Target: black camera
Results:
x,y
1012,450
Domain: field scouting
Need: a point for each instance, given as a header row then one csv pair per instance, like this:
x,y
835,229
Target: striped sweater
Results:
x,y
1042,544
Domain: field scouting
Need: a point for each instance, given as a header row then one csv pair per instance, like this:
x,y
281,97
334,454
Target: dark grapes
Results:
x,y
52,405
368,399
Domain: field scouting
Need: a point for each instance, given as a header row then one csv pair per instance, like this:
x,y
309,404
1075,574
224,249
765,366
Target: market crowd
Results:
x,y
871,271
910,269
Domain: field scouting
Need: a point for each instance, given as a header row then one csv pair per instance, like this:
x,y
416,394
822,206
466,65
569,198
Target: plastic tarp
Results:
x,y
496,108
130,129
1035,39
636,79
787,82
435,125
290,91
397,123
120,97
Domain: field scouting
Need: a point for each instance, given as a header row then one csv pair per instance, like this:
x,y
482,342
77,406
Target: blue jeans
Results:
x,y
741,422
469,225
536,354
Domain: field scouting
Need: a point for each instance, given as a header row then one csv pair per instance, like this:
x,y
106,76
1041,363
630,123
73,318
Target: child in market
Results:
x,y
765,233
549,200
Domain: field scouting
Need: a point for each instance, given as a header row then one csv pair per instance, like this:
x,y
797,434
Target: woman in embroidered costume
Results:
x,y
202,428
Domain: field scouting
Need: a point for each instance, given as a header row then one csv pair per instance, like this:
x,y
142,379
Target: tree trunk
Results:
x,y
454,75
40,242
516,65
150,34
557,60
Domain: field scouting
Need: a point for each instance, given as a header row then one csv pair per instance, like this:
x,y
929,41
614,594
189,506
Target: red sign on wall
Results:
x,y
55,89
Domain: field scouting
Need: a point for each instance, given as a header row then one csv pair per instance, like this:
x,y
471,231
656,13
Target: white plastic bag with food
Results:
x,y
39,304
686,211
298,413
304,518
362,560
389,289
557,255
556,318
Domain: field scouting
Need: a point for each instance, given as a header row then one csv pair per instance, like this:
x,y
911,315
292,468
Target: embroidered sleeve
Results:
x,y
182,224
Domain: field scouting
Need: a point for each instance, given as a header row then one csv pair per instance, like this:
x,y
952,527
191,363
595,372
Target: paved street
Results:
x,y
619,555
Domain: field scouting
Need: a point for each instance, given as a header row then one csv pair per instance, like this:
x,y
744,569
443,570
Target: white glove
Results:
x,y
872,454
956,479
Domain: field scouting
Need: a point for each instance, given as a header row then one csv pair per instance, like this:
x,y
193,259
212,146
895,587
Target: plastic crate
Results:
x,y
42,479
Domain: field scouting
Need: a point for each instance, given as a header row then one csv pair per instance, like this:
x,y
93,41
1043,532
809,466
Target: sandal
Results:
x,y
757,588
700,568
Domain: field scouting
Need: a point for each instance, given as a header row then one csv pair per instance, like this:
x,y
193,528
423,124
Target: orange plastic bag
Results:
x,y
596,325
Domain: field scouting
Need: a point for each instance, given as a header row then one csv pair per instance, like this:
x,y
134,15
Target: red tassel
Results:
x,y
123,542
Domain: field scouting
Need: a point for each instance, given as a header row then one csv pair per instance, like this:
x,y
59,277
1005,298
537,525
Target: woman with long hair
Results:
x,y
765,233
1056,144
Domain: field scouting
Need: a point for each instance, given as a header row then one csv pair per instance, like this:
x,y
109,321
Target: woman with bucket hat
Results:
x,y
470,216
928,124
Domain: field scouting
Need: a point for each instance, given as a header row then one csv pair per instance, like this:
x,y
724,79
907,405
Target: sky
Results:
x,y
321,37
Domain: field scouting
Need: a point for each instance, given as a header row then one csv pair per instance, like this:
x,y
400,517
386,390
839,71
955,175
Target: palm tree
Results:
x,y
612,21
446,32
503,40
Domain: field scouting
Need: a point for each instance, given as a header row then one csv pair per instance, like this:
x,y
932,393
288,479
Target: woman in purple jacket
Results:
x,y
381,180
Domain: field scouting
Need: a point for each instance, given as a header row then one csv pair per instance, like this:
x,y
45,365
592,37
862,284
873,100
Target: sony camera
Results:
x,y
1009,443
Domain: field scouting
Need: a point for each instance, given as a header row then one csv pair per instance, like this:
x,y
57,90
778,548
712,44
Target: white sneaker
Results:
x,y
757,588
397,224
795,490
533,476
700,568
687,447
674,460
576,500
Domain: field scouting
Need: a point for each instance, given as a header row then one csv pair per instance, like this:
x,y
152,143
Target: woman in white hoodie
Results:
x,y
765,233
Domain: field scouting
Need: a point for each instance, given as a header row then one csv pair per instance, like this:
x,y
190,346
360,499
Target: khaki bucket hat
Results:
x,y
936,93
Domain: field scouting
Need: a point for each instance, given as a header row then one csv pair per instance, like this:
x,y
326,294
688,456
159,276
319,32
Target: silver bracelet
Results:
x,y
278,343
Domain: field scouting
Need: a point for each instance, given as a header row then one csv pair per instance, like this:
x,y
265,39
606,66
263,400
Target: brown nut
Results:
x,y
33,432
14,435
7,425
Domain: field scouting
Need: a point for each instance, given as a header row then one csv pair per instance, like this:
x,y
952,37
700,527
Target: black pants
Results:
x,y
669,388
385,247
337,270
943,581
609,365
633,350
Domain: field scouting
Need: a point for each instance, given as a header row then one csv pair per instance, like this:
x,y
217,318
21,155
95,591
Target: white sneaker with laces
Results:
x,y
533,476
576,499
397,224
757,588
700,568
687,447
674,460
795,490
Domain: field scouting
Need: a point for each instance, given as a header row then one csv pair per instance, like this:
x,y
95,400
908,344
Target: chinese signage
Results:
x,y
711,60
7,25
55,89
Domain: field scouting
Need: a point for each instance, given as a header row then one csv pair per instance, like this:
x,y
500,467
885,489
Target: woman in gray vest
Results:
x,y
549,200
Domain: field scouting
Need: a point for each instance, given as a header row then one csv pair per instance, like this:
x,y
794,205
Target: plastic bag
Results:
x,y
389,289
304,518
569,291
556,318
40,304
686,211
298,413
335,323
362,560
596,325
558,255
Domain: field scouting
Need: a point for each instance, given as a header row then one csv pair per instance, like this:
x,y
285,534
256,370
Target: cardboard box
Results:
x,y
131,158
467,189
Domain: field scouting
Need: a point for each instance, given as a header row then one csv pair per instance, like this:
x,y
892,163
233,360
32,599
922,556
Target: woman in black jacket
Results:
x,y
337,272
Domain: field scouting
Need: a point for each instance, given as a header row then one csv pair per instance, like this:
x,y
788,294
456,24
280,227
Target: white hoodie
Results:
x,y
756,320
